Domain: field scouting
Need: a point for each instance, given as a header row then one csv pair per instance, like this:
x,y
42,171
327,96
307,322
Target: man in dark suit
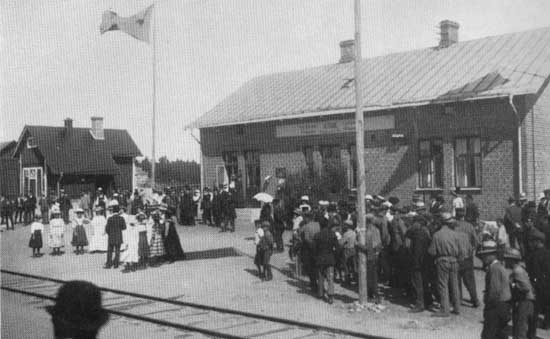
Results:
x,y
325,249
115,226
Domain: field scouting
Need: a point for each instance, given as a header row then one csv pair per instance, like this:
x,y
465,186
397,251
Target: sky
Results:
x,y
56,65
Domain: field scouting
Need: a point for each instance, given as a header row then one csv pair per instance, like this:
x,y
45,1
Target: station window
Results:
x,y
430,171
231,164
468,162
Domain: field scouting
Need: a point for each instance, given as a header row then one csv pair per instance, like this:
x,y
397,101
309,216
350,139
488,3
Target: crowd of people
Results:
x,y
422,251
425,252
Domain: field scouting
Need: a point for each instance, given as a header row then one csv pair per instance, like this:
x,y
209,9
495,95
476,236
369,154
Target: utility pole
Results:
x,y
360,147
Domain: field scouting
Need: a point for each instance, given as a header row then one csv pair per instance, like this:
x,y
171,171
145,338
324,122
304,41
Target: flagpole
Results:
x,y
153,123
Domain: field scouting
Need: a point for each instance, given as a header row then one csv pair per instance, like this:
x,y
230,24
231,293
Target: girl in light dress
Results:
x,y
130,256
79,232
57,231
37,229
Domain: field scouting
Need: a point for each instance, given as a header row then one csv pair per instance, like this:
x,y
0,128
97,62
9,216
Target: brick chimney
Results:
x,y
97,128
68,124
347,51
449,33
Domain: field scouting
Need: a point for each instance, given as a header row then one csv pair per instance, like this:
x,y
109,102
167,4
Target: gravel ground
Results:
x,y
231,282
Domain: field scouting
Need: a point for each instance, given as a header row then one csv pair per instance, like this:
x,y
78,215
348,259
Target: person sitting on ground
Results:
x,y
78,312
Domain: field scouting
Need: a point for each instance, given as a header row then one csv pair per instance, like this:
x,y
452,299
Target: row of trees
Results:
x,y
174,173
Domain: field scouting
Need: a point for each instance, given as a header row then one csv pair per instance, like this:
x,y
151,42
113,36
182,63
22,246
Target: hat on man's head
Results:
x,y
78,210
523,197
393,200
487,247
141,216
447,218
78,305
512,253
113,203
55,210
304,198
381,198
323,203
369,197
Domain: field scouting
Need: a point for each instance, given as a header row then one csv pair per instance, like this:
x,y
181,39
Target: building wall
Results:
x,y
536,144
392,164
9,177
123,180
209,167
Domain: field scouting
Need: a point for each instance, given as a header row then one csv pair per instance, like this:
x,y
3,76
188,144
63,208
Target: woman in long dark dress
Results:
x,y
172,242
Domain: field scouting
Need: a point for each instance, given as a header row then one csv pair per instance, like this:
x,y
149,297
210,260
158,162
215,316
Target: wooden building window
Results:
x,y
468,162
430,160
253,179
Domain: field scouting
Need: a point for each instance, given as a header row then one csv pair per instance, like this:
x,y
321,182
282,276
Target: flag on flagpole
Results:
x,y
138,25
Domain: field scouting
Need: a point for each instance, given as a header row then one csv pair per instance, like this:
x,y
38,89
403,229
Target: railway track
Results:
x,y
208,320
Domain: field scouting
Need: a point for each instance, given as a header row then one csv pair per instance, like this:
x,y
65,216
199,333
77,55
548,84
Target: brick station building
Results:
x,y
472,114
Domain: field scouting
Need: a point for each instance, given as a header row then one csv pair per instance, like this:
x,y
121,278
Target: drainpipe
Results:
x,y
520,165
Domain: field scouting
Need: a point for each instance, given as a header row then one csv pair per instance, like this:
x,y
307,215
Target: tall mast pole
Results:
x,y
154,118
360,145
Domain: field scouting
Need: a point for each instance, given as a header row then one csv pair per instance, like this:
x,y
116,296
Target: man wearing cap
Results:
x,y
113,229
497,294
469,243
523,297
445,247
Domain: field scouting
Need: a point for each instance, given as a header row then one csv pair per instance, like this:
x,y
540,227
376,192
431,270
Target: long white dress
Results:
x,y
98,241
132,240
57,233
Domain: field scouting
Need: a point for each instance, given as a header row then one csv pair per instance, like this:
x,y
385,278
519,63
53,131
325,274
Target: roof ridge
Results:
x,y
374,57
79,128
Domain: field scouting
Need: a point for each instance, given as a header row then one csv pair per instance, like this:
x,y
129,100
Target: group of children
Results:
x,y
144,240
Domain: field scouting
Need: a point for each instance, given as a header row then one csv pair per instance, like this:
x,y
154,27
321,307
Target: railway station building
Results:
x,y
75,159
473,115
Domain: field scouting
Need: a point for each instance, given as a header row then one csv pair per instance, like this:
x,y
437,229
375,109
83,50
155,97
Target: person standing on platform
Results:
x,y
99,240
445,247
206,207
458,202
6,212
523,297
113,229
37,230
279,218
372,248
57,231
101,201
497,295
157,250
44,209
325,243
143,243
472,210
512,222
79,232
172,242
420,238
266,246
186,206
466,265
307,248
216,207
131,256
65,206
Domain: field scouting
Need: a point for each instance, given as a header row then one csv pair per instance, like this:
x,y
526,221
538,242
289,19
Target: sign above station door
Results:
x,y
376,123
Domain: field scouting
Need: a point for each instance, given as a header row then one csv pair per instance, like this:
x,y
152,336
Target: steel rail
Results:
x,y
296,323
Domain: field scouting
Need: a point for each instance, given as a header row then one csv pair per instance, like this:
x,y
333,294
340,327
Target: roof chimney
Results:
x,y
97,128
449,33
68,124
347,51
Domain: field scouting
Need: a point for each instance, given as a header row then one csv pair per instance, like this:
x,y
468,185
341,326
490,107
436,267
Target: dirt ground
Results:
x,y
216,275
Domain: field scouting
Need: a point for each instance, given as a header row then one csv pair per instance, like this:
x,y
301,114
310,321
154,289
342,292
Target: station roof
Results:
x,y
510,64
